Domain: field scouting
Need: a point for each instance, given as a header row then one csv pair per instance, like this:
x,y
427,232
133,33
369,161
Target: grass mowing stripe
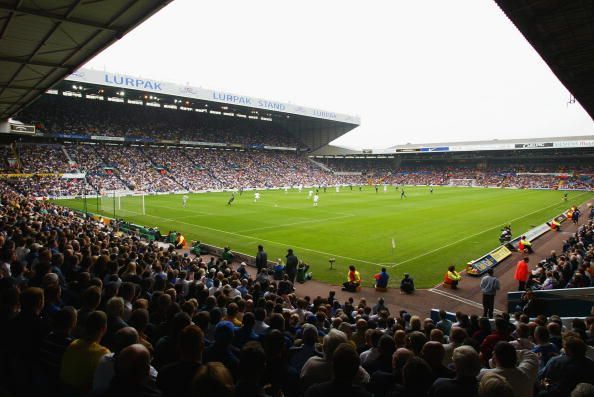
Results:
x,y
477,234
419,224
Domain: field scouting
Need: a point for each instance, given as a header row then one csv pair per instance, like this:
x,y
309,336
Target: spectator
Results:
x,y
468,366
213,379
494,385
105,371
563,373
407,285
345,369
175,379
82,356
519,369
132,374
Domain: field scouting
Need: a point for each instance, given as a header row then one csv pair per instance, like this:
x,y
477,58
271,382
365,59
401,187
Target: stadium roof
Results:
x,y
43,41
562,32
314,127
567,142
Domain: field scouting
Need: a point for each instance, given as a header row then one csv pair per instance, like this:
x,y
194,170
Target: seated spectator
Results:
x,y
132,374
467,366
319,369
519,369
221,350
407,284
353,280
494,385
213,379
563,373
54,345
452,277
416,379
543,348
381,279
298,356
82,356
345,368
105,371
433,353
252,365
175,379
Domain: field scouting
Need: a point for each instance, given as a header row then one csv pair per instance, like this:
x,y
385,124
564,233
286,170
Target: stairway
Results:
x,y
320,165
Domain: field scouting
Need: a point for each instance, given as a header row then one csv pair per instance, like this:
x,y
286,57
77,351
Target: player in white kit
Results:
x,y
337,189
309,194
315,200
385,188
256,197
184,201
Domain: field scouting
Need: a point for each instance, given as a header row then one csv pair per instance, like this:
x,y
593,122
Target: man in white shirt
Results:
x,y
519,368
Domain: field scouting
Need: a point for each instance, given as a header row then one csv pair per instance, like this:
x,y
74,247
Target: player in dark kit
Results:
x,y
402,194
376,188
360,188
231,199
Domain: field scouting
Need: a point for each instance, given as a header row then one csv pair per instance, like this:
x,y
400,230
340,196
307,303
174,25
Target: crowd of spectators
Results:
x,y
89,310
572,268
160,168
74,116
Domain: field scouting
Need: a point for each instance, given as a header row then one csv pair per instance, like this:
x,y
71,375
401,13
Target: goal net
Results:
x,y
117,203
462,182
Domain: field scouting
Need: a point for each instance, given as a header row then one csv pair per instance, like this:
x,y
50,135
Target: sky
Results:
x,y
414,71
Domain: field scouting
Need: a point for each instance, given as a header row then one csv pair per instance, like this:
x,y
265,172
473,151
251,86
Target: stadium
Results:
x,y
161,238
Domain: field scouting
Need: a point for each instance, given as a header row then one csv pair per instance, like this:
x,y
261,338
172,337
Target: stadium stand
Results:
x,y
78,297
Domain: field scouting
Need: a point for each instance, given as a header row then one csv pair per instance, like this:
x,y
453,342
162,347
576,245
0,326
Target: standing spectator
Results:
x,y
489,286
291,265
261,259
82,356
522,273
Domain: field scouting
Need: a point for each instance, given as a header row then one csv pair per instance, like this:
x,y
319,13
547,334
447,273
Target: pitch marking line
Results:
x,y
474,235
256,238
460,299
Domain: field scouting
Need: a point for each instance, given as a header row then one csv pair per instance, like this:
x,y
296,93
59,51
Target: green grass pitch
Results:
x,y
431,231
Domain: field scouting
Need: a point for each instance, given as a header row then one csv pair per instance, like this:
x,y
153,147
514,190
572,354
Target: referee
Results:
x,y
489,287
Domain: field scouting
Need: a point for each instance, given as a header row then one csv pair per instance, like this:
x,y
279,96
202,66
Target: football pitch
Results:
x,y
452,225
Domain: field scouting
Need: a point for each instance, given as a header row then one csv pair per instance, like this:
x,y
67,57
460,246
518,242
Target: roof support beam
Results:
x,y
32,63
56,17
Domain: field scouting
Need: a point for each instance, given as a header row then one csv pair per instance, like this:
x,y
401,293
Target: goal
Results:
x,y
117,203
462,182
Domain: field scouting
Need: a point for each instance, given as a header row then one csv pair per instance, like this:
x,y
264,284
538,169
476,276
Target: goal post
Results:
x,y
119,203
467,182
